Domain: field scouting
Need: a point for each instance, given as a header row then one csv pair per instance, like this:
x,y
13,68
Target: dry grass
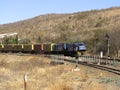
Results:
x,y
43,76
60,86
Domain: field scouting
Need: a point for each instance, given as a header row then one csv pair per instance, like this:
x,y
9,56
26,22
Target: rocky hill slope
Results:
x,y
65,27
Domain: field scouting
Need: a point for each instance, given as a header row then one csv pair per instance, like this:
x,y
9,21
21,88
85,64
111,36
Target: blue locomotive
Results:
x,y
72,49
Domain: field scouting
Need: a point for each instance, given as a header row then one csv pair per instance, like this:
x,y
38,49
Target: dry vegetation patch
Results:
x,y
43,76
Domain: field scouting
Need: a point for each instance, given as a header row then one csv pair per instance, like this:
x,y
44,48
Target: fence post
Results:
x,y
99,62
25,82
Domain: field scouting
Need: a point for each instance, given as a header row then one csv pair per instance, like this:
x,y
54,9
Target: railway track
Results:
x,y
105,68
102,67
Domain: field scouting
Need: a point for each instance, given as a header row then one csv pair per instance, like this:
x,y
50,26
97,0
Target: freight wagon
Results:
x,y
38,48
48,48
8,48
17,48
1,47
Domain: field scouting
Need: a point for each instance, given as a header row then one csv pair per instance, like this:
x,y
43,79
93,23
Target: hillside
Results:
x,y
53,26
80,26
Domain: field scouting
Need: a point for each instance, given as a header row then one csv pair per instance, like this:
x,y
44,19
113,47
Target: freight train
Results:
x,y
71,49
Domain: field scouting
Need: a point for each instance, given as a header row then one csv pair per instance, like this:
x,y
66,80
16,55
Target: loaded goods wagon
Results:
x,y
1,47
28,48
48,48
8,48
17,48
38,48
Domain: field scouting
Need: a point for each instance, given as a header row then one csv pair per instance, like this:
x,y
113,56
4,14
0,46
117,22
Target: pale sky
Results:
x,y
16,10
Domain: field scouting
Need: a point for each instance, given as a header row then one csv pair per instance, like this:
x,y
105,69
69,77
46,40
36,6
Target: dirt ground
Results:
x,y
41,75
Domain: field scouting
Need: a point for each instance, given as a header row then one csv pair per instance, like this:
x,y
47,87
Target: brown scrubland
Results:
x,y
41,75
